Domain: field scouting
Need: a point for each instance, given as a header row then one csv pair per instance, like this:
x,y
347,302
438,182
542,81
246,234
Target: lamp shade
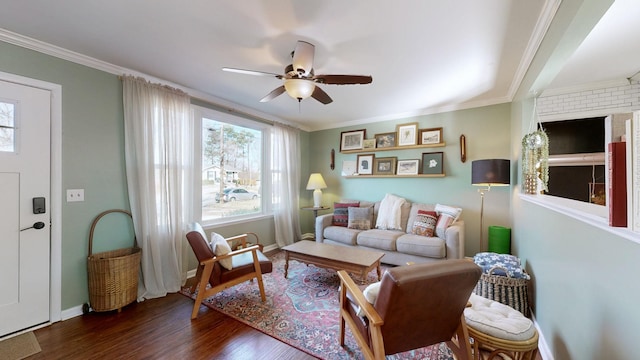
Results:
x,y
299,88
494,172
316,182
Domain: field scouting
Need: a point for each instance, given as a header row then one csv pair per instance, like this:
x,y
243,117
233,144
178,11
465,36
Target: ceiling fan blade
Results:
x,y
272,95
321,96
252,72
303,57
343,79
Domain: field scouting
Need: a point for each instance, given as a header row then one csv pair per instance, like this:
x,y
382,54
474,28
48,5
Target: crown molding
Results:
x,y
77,58
547,14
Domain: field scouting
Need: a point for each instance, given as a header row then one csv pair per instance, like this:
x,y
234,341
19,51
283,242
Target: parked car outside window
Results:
x,y
236,194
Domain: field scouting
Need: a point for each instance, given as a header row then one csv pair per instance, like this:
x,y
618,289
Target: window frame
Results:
x,y
266,208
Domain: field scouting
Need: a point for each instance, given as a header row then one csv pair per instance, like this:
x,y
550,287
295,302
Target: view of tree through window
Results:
x,y
231,170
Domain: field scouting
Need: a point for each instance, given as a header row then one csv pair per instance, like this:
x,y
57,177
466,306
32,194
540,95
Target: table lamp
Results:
x,y
316,183
486,173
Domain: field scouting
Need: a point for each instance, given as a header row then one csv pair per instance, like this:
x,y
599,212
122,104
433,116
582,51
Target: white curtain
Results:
x,y
159,154
286,183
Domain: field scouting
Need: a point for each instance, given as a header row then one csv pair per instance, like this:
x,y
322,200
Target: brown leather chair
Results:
x,y
417,306
247,263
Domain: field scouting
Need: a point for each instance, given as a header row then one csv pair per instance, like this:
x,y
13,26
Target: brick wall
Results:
x,y
595,102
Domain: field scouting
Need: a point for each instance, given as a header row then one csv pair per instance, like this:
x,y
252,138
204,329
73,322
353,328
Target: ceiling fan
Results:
x,y
300,80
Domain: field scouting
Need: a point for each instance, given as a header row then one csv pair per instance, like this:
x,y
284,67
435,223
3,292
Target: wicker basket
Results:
x,y
504,289
113,275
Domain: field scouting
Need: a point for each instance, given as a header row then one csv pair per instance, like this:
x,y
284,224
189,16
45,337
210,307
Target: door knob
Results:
x,y
37,225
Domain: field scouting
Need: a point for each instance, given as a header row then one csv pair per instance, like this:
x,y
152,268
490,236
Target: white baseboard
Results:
x,y
543,347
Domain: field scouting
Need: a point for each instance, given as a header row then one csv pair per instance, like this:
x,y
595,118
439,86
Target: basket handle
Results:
x,y
95,222
490,272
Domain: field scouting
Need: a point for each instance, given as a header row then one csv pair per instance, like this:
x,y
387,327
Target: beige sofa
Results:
x,y
399,246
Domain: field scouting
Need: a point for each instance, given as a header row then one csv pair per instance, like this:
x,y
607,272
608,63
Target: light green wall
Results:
x,y
487,130
584,279
93,159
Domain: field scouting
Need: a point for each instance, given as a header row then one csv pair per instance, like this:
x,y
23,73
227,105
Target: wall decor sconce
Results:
x,y
333,159
463,148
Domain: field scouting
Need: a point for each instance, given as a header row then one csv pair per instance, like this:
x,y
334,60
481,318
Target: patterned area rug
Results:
x,y
302,311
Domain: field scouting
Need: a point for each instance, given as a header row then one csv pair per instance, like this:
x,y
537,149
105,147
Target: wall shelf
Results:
x,y
394,176
393,148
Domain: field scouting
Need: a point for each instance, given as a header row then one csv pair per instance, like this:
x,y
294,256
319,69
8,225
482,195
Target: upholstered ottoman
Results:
x,y
500,330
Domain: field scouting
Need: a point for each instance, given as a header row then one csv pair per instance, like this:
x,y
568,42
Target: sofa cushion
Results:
x,y
424,223
341,234
432,247
360,218
379,239
341,213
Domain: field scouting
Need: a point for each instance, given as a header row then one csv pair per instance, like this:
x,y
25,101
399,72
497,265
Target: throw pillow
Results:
x,y
447,215
341,213
425,223
370,294
359,218
390,213
220,247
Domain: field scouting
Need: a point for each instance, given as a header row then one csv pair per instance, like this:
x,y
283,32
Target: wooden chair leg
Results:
x,y
258,270
202,288
460,344
194,286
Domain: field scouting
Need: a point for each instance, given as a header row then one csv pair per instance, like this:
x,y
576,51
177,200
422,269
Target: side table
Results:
x,y
312,236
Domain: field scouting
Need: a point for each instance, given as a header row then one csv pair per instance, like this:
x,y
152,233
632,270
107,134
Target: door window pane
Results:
x,y
7,127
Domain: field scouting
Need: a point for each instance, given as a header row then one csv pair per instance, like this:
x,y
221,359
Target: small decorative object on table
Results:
x,y
503,280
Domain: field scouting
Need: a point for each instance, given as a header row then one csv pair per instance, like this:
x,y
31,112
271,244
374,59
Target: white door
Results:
x,y
25,118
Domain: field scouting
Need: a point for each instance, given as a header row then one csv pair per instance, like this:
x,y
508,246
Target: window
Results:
x,y
7,127
231,153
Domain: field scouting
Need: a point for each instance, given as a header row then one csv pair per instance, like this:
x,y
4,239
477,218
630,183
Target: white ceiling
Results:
x,y
425,56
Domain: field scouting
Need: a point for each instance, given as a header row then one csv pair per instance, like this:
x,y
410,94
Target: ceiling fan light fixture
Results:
x,y
299,89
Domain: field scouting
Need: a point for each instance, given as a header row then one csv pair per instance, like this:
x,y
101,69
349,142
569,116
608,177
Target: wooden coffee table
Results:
x,y
334,257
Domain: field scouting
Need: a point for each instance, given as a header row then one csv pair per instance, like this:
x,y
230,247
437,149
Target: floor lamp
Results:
x,y
486,173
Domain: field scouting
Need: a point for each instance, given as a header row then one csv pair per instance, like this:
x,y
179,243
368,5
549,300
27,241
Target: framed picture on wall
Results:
x,y
386,140
407,134
432,163
365,164
352,140
408,167
384,166
430,136
369,144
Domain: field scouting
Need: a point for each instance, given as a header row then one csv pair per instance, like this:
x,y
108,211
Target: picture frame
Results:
x,y
352,140
349,167
365,164
369,144
432,163
408,167
430,136
385,140
384,166
407,134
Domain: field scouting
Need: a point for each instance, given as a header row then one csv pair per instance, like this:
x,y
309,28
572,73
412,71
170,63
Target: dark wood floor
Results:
x,y
159,329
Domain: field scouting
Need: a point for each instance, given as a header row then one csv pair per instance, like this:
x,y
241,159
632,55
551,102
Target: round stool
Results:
x,y
500,330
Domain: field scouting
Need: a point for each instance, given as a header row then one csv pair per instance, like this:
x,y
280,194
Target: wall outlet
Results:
x,y
74,195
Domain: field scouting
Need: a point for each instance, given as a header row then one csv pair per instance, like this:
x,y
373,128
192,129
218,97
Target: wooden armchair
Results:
x,y
417,306
247,263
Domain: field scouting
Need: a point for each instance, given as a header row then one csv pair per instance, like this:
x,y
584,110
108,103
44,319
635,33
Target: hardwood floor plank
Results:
x,y
159,329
